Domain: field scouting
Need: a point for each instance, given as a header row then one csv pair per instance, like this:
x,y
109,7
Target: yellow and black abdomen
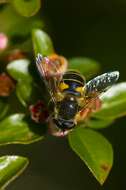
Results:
x,y
72,83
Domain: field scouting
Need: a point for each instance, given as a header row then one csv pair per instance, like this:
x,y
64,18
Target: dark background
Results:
x,y
95,29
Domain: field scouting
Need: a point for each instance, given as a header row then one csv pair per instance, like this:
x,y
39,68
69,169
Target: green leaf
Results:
x,y
42,43
88,67
19,70
25,88
19,129
97,123
24,92
4,107
26,7
10,168
15,25
27,93
94,150
114,102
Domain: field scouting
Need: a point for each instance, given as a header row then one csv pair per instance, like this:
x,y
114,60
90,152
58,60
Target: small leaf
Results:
x,y
24,92
4,107
27,93
25,88
12,20
10,168
19,70
18,129
94,150
114,102
26,7
88,67
42,43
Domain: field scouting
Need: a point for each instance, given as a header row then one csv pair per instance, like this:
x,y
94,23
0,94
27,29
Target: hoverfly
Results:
x,y
71,98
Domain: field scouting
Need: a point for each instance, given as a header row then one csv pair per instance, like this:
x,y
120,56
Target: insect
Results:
x,y
71,98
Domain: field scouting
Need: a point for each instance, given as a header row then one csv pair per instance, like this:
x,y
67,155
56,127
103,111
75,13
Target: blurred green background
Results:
x,y
95,29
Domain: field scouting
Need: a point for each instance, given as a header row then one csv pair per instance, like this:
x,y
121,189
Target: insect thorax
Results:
x,y
72,83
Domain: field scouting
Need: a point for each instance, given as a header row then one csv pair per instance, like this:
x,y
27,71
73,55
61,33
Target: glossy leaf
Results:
x,y
27,93
19,70
10,168
114,102
97,123
42,43
94,150
18,129
26,7
88,67
24,92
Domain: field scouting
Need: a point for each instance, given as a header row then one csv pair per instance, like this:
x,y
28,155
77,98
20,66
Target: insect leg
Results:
x,y
96,104
93,106
82,115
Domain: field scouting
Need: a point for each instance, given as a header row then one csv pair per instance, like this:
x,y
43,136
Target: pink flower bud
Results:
x,y
3,41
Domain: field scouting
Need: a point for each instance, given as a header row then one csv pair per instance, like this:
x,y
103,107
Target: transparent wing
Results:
x,y
101,83
98,85
51,70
